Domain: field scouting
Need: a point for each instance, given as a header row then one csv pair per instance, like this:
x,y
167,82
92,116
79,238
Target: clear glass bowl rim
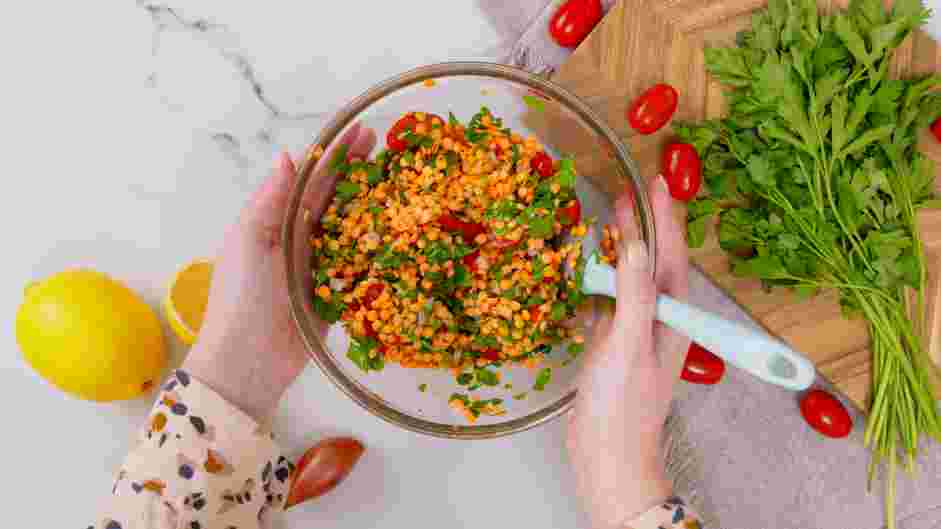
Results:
x,y
316,347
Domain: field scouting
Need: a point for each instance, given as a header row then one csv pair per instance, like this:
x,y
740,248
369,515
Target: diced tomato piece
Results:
x,y
373,292
543,165
470,260
370,331
535,315
449,223
571,214
468,230
491,354
500,242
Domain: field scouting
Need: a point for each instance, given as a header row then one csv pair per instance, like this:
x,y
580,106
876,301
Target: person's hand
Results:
x,y
248,349
626,382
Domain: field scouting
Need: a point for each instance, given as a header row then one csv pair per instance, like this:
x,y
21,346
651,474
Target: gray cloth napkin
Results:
x,y
740,450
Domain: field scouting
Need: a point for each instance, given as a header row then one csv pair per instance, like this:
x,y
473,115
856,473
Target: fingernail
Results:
x,y
286,163
635,253
662,183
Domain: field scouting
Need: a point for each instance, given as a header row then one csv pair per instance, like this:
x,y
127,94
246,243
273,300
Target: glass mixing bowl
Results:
x,y
529,105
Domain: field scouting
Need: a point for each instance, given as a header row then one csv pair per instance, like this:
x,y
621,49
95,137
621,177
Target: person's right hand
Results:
x,y
626,382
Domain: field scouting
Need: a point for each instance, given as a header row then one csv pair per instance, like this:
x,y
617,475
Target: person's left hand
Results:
x,y
248,348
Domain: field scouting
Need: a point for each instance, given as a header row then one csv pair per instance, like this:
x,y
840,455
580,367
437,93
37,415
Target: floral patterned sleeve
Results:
x,y
200,463
671,514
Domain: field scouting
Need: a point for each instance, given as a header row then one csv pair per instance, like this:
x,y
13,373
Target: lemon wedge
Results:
x,y
186,300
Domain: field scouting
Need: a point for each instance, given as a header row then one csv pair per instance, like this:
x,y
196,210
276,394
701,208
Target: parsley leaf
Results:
x,y
543,379
328,312
359,354
347,190
487,377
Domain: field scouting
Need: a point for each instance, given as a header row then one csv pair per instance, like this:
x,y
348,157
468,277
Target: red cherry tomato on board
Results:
x,y
701,366
574,20
571,214
936,129
653,108
824,413
682,169
543,165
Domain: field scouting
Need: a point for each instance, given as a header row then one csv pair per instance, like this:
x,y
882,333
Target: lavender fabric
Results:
x,y
740,450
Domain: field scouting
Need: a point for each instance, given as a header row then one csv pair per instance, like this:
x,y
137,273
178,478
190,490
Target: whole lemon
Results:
x,y
91,336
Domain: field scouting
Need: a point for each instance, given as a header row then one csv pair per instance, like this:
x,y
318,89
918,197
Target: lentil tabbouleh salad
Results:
x,y
457,247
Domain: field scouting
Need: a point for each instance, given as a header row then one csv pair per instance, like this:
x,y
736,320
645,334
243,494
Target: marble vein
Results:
x,y
224,41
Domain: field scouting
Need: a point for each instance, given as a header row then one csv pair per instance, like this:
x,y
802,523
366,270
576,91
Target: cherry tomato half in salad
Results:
x,y
468,230
574,20
682,169
936,129
571,214
395,139
826,414
651,111
542,164
701,366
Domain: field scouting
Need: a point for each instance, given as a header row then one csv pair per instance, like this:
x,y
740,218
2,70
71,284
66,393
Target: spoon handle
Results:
x,y
742,346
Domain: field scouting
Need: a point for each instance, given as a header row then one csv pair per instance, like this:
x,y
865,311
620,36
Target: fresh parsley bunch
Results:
x,y
816,180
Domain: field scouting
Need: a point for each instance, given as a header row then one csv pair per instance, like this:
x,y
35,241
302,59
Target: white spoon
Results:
x,y
741,346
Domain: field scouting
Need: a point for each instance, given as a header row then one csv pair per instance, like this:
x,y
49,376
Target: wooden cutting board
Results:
x,y
643,42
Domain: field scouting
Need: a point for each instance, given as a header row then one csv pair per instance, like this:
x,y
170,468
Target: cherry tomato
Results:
x,y
936,129
653,108
468,230
682,169
543,165
394,139
470,260
574,20
373,292
491,354
323,467
826,414
701,366
571,214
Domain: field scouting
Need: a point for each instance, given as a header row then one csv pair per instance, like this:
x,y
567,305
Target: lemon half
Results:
x,y
186,300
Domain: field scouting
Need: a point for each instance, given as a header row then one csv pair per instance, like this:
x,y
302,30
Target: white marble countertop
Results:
x,y
133,132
